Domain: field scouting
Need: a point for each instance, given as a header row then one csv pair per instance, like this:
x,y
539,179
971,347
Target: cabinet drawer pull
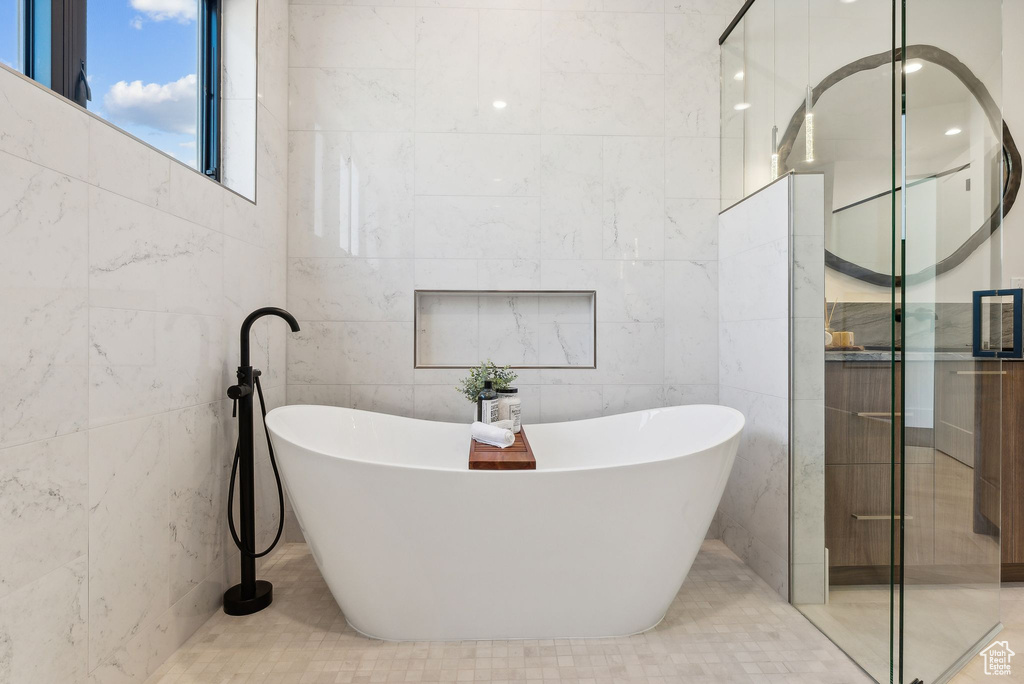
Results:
x,y
878,414
861,516
982,372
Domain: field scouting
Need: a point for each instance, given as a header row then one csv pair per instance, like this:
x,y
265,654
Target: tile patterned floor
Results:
x,y
726,626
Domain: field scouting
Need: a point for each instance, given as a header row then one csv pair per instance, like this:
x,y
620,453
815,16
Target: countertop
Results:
x,y
881,355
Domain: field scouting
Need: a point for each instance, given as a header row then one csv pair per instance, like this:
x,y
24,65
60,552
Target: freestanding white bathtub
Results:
x,y
415,546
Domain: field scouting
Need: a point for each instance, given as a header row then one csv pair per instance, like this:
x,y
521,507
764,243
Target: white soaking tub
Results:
x,y
415,546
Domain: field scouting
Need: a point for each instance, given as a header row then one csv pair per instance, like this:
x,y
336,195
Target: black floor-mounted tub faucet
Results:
x,y
251,595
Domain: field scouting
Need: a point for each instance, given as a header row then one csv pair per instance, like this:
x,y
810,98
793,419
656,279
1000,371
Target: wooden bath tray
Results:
x,y
519,456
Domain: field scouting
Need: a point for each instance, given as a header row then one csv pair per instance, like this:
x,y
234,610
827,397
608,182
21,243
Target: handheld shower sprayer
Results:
x,y
251,595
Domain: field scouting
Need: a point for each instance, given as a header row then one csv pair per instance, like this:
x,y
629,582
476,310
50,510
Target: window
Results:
x,y
151,67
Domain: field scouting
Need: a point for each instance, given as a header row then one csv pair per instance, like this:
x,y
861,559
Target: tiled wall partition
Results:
x,y
124,277
771,261
504,144
526,329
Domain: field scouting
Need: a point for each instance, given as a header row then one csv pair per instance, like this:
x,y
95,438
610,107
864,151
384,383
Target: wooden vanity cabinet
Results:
x,y
954,471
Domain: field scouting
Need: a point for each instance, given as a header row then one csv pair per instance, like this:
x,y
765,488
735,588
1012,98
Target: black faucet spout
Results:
x,y
255,316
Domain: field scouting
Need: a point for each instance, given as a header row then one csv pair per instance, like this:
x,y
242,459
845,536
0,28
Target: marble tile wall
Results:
x,y
754,378
124,277
598,170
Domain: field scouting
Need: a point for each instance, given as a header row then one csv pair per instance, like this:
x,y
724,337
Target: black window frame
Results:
x,y
69,67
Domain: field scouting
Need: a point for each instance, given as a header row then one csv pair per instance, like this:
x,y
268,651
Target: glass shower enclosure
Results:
x,y
895,491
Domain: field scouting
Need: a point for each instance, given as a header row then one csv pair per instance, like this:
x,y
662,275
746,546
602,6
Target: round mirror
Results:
x,y
962,163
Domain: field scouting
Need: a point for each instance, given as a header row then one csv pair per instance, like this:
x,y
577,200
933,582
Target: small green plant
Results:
x,y
501,377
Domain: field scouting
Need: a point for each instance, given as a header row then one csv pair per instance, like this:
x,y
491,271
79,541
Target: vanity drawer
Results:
x,y
857,511
858,417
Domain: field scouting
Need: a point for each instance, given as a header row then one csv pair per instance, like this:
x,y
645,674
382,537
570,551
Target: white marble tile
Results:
x,y
482,4
118,163
510,40
350,289
29,113
43,284
356,37
692,325
397,400
603,104
631,353
272,58
627,398
238,151
142,655
320,395
692,168
604,42
691,229
572,196
242,219
566,344
772,567
351,99
128,543
808,276
605,5
43,629
143,363
725,9
195,197
350,194
510,54
570,402
754,284
45,489
634,198
472,227
509,330
351,353
758,220
446,274
140,258
443,403
448,330
754,356
808,362
238,50
627,291
808,488
509,274
447,69
520,92
477,164
681,395
199,450
692,78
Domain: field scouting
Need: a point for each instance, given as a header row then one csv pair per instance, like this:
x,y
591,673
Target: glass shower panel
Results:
x,y
953,174
835,90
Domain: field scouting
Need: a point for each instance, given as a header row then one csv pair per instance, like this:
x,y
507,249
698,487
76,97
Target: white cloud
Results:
x,y
162,10
170,107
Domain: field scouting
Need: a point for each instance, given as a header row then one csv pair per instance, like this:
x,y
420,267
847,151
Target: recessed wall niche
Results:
x,y
520,328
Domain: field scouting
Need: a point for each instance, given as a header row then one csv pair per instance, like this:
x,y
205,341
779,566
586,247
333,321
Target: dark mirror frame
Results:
x,y
1011,157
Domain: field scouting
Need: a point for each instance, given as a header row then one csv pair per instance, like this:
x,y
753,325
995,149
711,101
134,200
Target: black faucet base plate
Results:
x,y
234,604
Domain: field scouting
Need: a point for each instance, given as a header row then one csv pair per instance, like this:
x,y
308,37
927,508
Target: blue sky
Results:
x,y
142,62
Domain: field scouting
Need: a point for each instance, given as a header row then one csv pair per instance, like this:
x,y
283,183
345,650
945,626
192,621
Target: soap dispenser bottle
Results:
x,y
487,404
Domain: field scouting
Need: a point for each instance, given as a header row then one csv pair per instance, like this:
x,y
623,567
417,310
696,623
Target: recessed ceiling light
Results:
x,y
738,76
499,104
912,67
954,131
741,106
847,2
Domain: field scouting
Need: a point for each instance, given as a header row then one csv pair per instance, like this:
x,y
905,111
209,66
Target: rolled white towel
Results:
x,y
495,434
